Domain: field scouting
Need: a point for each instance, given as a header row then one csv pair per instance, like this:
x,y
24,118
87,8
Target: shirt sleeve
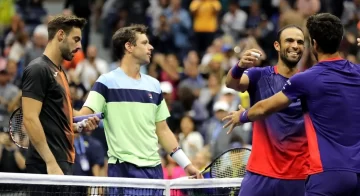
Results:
x,y
254,75
162,111
35,82
296,86
98,95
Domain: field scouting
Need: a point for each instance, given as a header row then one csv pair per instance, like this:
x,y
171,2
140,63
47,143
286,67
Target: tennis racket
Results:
x,y
18,132
230,164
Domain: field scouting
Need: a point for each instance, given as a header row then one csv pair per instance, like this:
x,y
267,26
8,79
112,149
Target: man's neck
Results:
x,y
324,57
285,70
130,67
53,53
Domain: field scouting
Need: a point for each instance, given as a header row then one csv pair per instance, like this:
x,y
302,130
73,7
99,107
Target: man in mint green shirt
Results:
x,y
135,113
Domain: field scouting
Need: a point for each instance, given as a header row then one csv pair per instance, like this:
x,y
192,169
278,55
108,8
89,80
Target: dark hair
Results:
x,y
278,36
124,35
66,23
327,30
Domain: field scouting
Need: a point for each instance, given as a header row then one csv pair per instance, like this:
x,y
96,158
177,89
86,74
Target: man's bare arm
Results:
x,y
268,106
31,111
169,143
166,137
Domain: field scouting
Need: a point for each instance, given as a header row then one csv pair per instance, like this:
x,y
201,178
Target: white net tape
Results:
x,y
166,185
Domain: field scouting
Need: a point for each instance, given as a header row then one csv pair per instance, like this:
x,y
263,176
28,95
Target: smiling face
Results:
x,y
291,46
70,44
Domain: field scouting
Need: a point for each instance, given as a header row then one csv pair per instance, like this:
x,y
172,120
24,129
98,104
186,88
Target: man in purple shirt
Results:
x,y
330,98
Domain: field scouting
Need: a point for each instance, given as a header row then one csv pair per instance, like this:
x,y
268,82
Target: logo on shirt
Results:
x,y
55,73
150,95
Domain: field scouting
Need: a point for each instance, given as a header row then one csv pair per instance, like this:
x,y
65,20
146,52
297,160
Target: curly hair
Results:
x,y
66,23
327,30
124,35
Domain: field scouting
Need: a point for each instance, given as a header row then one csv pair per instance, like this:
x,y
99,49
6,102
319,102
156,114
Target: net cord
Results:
x,y
90,181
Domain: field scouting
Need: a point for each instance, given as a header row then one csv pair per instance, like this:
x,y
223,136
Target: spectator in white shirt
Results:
x,y
88,70
234,21
190,140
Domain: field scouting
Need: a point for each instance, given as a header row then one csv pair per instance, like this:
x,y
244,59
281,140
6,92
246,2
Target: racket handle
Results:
x,y
81,118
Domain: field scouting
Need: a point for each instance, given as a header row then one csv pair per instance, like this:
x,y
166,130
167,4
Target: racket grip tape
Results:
x,y
81,118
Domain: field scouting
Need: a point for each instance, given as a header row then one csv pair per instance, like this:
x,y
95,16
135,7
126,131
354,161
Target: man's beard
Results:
x,y
65,52
289,63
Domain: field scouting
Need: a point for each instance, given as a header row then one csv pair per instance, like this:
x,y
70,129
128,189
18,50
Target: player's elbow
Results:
x,y
29,119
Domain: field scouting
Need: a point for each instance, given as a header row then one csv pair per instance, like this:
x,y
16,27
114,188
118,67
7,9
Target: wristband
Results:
x,y
237,72
180,157
244,117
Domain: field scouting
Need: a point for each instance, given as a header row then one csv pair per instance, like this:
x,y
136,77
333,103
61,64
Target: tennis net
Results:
x,y
12,184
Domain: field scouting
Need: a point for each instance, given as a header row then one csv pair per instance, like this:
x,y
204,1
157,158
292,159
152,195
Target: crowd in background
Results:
x,y
196,42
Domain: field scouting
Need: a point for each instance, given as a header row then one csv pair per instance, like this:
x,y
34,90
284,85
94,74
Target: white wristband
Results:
x,y
180,157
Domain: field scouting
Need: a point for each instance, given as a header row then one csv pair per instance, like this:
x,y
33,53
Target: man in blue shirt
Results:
x,y
329,94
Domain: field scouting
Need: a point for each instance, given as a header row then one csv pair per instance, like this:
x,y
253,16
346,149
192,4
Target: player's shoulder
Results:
x,y
38,65
151,82
267,70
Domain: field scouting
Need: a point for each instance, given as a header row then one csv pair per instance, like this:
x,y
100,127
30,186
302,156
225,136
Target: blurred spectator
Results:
x,y
33,13
187,104
231,97
205,14
78,57
21,44
39,41
234,21
209,94
190,140
7,11
155,10
167,90
17,26
89,157
202,158
12,158
8,92
83,9
89,69
14,73
163,37
192,79
171,169
216,136
180,24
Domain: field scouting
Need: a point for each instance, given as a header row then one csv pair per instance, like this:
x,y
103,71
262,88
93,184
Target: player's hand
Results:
x,y
92,123
89,124
193,172
358,41
54,169
234,119
248,59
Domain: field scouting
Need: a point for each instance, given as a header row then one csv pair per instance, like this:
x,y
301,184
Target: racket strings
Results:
x,y
17,130
231,164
